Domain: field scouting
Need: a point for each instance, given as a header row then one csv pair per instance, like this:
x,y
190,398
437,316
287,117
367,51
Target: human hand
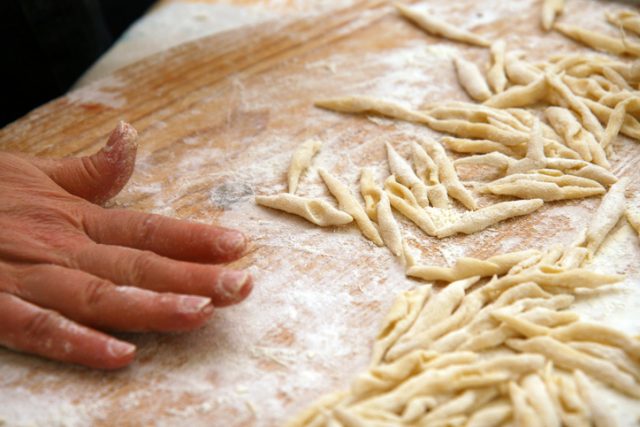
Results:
x,y
68,265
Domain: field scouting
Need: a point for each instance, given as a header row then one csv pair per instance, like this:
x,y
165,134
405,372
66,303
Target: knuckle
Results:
x,y
95,291
41,325
142,264
148,228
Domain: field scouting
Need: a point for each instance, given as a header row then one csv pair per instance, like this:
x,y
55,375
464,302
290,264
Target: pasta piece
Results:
x,y
545,186
616,120
460,405
589,121
400,318
471,79
520,96
615,355
599,41
466,129
550,11
607,216
448,175
523,414
491,415
535,158
403,201
472,222
316,211
426,168
365,104
627,19
540,400
518,71
547,276
496,75
577,138
470,146
566,357
306,417
600,413
586,331
440,28
634,219
300,161
630,126
469,267
349,204
378,209
405,176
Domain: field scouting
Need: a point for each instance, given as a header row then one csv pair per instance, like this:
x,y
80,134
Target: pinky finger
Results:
x,y
31,329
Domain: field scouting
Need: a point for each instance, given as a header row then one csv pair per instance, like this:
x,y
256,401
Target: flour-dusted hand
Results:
x,y
68,265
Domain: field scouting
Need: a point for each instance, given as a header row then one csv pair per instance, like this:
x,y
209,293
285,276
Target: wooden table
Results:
x,y
218,119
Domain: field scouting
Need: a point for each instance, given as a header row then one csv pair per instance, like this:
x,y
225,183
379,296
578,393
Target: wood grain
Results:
x,y
218,120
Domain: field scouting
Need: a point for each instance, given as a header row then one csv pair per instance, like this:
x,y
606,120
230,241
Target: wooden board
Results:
x,y
218,119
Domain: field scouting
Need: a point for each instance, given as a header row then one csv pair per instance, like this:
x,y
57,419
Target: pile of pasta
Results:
x,y
497,346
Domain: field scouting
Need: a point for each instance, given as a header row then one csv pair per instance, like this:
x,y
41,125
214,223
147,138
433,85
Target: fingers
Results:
x,y
97,302
101,176
26,327
126,266
168,237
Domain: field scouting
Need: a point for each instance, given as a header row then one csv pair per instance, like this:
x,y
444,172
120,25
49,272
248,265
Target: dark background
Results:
x,y
47,44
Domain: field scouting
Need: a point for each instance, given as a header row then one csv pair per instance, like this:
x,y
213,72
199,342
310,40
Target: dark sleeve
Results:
x,y
47,44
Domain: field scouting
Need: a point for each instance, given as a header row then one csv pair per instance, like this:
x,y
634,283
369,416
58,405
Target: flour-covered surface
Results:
x,y
218,121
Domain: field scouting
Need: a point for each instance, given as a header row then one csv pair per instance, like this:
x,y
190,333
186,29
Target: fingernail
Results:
x,y
118,348
233,282
231,242
191,304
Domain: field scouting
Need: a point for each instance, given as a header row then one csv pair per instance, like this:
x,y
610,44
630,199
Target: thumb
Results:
x,y
102,175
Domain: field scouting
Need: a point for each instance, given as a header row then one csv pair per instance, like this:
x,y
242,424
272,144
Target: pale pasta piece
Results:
x,y
370,193
365,104
600,413
426,168
403,172
348,203
300,161
573,134
492,415
316,211
613,354
451,379
466,129
400,318
587,331
548,276
589,121
523,414
607,216
469,267
599,41
472,222
540,400
441,28
448,175
496,75
378,209
471,79
634,219
518,71
550,11
627,19
520,96
463,404
403,201
544,186
480,146
307,417
617,118
630,126
566,357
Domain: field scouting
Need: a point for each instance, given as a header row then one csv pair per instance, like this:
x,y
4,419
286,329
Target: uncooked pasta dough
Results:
x,y
300,162
316,211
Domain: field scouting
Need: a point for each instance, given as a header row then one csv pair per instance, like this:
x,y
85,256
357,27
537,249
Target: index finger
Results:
x,y
172,238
